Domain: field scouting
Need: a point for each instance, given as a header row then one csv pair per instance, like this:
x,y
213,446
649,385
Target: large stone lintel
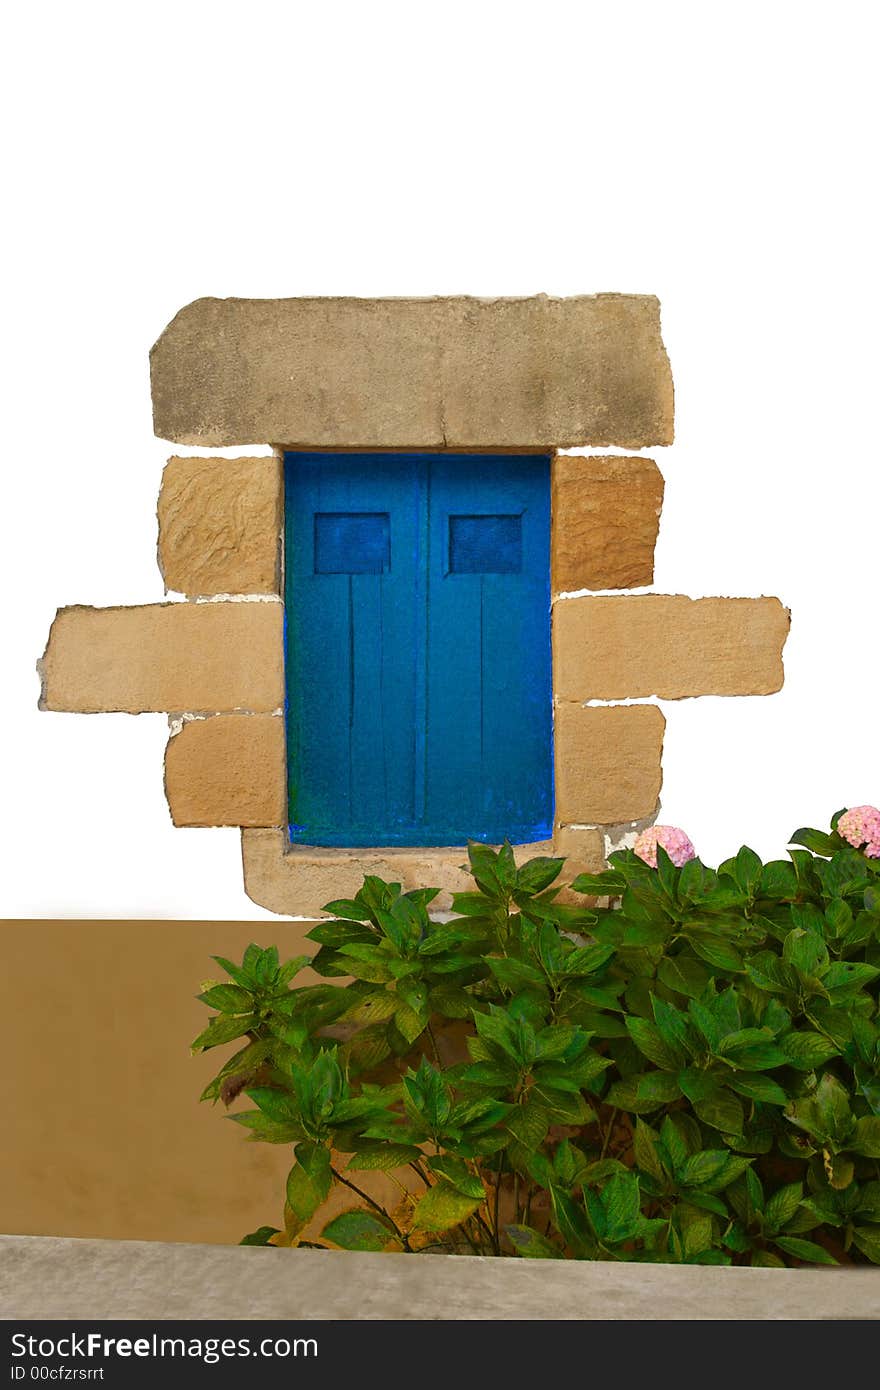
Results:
x,y
453,373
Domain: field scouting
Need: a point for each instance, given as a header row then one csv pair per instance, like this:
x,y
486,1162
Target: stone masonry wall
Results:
x,y
469,375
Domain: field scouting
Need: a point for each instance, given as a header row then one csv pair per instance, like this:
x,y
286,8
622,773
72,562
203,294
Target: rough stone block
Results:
x,y
196,657
220,525
583,845
606,514
415,373
607,762
228,770
667,645
299,881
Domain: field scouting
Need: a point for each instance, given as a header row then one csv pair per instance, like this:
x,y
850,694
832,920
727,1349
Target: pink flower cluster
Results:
x,y
860,826
673,840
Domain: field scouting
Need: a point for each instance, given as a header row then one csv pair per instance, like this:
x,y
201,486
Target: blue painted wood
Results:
x,y
418,648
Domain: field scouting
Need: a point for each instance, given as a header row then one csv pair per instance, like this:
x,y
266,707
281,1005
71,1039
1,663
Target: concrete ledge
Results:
x,y
45,1277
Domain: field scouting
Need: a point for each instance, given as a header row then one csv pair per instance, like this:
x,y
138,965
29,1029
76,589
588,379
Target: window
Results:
x,y
419,706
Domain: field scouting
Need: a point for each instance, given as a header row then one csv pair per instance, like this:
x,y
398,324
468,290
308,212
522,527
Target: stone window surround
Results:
x,y
215,660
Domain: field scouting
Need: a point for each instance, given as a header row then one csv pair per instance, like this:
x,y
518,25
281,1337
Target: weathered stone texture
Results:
x,y
220,525
299,881
415,373
606,514
607,762
582,845
43,1277
228,770
667,645
198,657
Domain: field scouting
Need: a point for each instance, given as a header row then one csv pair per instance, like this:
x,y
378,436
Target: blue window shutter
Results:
x,y
418,649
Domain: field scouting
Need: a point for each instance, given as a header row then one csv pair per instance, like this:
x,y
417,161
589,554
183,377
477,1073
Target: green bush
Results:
x,y
690,1074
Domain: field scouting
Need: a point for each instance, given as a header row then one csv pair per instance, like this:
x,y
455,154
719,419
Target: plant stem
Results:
x,y
430,1033
365,1196
607,1138
498,1201
418,1172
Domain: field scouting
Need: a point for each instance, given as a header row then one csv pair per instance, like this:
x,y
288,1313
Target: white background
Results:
x,y
723,156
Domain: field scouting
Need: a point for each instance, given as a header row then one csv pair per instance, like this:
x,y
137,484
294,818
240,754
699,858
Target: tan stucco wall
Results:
x,y
103,1133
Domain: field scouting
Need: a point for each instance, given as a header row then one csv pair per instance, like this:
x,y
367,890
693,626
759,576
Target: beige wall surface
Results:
x,y
103,1132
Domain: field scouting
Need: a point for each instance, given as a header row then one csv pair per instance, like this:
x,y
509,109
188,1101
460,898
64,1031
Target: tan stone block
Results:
x,y
607,762
415,373
606,514
583,845
228,770
298,881
220,525
667,645
196,657
583,849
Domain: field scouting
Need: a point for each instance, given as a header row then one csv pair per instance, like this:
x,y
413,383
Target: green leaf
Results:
x,y
649,1040
645,1151
573,1224
241,974
266,1130
833,1106
747,871
806,951
357,1229
807,1050
683,974
765,1259
229,999
443,1207
348,907
778,880
642,1094
529,1122
702,1167
485,869
782,1205
457,1173
585,960
607,884
805,1250
722,1111
815,841
866,1137
531,1244
261,1236
516,974
223,1029
754,1086
384,1157
717,952
537,874
867,1239
307,1188
621,1202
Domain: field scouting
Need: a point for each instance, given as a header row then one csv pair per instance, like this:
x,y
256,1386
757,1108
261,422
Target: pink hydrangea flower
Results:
x,y
860,826
673,840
